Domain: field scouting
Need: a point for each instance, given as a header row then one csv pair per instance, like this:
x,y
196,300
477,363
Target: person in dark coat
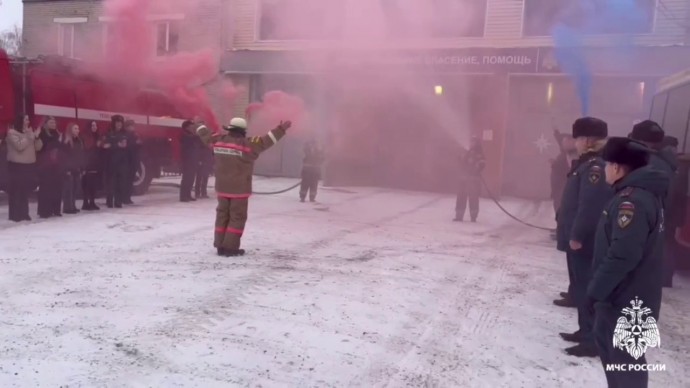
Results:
x,y
190,160
472,164
652,135
73,150
93,167
205,164
627,273
50,171
311,170
133,160
676,219
585,195
559,176
117,166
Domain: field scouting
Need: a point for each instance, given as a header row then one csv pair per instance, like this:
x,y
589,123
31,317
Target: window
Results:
x,y
589,16
69,34
165,30
301,19
434,18
659,108
167,36
675,122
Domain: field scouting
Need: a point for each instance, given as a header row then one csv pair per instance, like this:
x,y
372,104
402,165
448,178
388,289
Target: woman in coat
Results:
x,y
73,148
22,144
50,170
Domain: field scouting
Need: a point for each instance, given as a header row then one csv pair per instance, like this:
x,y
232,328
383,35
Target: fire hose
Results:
x,y
177,185
486,187
493,198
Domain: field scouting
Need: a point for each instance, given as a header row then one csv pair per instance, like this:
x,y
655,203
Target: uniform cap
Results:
x,y
647,131
590,127
626,151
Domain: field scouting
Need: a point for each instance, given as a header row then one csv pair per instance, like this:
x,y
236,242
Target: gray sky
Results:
x,y
10,13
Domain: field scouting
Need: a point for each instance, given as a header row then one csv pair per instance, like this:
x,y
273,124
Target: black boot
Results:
x,y
573,337
564,303
564,295
234,252
583,349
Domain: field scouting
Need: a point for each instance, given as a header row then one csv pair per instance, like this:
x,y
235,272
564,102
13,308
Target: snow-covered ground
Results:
x,y
373,288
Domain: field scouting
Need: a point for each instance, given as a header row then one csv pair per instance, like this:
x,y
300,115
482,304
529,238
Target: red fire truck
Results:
x,y
54,86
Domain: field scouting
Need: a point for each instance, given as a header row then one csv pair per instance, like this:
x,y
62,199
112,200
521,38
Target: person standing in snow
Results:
x,y
92,179
133,160
652,135
117,168
311,170
627,272
190,160
585,195
235,155
472,164
23,143
204,166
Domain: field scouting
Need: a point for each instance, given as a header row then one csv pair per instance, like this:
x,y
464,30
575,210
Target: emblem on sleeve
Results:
x,y
594,174
594,177
626,211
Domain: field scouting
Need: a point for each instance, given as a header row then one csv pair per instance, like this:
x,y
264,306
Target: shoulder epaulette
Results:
x,y
626,191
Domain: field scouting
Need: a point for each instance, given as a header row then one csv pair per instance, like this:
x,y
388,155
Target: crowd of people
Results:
x,y
68,164
618,202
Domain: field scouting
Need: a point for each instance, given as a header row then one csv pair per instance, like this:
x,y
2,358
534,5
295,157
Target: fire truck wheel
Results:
x,y
143,179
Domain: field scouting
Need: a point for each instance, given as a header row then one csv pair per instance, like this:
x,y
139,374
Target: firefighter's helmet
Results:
x,y
237,123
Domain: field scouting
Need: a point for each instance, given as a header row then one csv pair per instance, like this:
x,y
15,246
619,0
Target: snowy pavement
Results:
x,y
372,288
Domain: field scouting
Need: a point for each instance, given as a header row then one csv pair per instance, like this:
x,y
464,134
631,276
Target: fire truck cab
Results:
x,y
54,86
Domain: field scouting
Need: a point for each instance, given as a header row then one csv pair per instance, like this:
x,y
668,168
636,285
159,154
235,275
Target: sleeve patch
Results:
x,y
594,175
626,212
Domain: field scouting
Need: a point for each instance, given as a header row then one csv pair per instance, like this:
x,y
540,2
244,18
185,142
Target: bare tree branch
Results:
x,y
12,41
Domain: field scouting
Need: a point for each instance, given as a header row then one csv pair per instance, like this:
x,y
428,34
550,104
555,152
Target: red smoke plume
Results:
x,y
181,77
275,107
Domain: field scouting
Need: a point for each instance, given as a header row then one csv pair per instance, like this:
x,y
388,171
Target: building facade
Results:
x,y
395,88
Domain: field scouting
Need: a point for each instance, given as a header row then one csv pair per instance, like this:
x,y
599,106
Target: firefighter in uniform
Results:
x,y
627,272
311,171
472,165
652,135
235,155
584,197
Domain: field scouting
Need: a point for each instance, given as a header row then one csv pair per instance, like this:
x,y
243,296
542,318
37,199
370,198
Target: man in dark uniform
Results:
x,y
190,161
472,164
652,135
311,170
584,197
133,160
676,218
205,165
117,167
626,286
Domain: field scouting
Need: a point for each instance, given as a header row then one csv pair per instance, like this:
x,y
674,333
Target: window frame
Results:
x,y
683,143
257,27
652,31
167,51
65,25
155,20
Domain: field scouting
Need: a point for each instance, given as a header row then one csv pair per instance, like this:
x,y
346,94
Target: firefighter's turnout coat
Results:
x,y
235,155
